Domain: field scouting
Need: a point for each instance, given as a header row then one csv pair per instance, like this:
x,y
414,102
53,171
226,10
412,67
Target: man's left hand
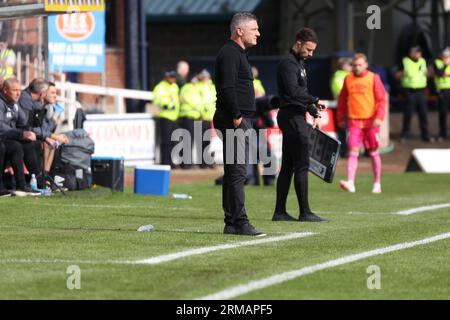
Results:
x,y
317,123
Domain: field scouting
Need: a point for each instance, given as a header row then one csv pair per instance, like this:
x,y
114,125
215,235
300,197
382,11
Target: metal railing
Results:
x,y
69,92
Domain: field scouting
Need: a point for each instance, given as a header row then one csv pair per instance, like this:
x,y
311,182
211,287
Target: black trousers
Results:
x,y
32,156
444,106
13,155
166,127
235,168
2,162
295,159
415,99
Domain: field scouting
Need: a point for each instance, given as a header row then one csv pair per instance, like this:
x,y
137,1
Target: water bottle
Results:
x,y
146,228
33,182
181,196
89,176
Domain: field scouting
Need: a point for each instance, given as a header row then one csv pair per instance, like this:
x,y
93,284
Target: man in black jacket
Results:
x,y
234,108
12,119
295,102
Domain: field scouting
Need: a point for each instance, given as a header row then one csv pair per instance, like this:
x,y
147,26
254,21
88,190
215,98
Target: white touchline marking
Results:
x,y
99,206
239,290
169,257
198,251
422,209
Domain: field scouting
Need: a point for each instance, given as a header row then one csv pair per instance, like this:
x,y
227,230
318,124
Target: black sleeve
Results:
x,y
440,72
228,74
289,75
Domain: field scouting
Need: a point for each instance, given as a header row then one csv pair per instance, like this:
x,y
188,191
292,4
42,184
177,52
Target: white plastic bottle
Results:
x,y
181,196
146,228
33,182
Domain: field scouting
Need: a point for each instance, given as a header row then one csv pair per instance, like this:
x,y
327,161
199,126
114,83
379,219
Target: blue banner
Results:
x,y
76,42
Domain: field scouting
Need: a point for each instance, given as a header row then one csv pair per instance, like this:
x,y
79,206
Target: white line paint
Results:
x,y
239,290
94,206
167,257
423,209
198,251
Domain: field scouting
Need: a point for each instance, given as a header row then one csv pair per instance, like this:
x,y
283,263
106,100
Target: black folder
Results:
x,y
324,153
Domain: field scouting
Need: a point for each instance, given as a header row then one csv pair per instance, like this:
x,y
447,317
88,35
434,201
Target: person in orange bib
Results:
x,y
362,102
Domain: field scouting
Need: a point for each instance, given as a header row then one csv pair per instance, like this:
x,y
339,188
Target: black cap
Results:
x,y
170,74
416,48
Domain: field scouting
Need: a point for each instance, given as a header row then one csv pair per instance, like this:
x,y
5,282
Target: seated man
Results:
x,y
51,123
14,138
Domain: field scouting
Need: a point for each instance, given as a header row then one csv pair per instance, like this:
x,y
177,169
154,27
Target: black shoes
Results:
x,y
311,217
244,230
5,194
284,216
229,229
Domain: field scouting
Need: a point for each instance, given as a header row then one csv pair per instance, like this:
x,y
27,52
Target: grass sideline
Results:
x,y
40,238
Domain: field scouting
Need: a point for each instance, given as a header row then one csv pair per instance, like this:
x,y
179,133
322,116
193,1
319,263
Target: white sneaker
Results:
x,y
347,186
376,188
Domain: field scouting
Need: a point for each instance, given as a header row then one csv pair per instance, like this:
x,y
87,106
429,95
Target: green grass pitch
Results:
x,y
96,230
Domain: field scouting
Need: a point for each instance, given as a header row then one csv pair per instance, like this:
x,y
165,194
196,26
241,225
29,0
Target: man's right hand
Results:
x,y
29,135
237,122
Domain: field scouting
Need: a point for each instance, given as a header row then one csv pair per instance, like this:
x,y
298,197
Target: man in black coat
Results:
x,y
295,102
235,108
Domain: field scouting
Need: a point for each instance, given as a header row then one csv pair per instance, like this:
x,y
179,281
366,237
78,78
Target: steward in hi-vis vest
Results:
x,y
442,80
413,76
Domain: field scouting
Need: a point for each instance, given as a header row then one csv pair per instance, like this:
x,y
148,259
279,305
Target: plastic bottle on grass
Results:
x,y
181,196
33,182
146,228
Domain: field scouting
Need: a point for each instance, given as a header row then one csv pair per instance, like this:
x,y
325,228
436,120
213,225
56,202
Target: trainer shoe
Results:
x,y
5,194
249,230
229,229
283,216
27,191
376,188
347,186
311,217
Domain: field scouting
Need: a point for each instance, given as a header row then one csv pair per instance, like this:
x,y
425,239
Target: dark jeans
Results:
x,y
415,99
13,155
233,194
295,159
444,106
166,127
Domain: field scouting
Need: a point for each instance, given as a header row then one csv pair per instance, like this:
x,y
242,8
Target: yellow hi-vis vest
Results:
x,y
442,83
414,73
165,96
259,88
7,72
208,95
337,82
191,102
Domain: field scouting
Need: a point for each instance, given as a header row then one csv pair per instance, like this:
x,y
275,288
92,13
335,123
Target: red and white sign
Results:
x,y
75,26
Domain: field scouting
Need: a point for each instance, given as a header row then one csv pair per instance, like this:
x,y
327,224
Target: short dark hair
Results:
x,y
241,18
38,85
306,34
